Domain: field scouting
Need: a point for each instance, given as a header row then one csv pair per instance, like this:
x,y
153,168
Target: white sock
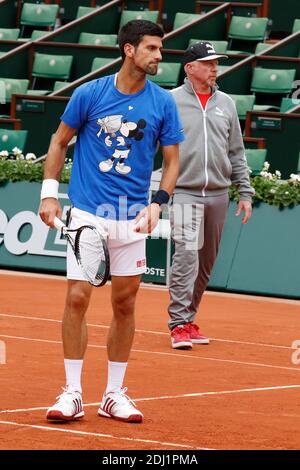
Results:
x,y
73,373
115,375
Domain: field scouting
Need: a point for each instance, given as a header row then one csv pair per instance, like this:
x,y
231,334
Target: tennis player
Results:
x,y
119,120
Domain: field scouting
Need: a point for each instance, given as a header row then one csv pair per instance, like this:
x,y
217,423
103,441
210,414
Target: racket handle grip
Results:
x,y
58,223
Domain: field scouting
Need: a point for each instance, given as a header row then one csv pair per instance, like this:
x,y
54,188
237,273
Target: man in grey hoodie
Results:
x,y
212,157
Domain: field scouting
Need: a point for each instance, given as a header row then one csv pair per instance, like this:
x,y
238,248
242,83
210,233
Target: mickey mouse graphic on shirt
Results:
x,y
121,134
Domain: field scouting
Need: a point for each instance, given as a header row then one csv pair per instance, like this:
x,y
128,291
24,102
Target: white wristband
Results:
x,y
49,189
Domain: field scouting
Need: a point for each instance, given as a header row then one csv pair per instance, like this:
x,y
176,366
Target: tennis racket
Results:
x,y
90,250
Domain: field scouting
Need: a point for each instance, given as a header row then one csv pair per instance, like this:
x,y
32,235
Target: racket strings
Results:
x,y
92,254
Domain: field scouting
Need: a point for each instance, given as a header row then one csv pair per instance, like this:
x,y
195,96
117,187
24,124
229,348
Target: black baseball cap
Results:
x,y
201,51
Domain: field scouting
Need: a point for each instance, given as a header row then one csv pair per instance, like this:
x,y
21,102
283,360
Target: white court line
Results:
x,y
95,434
178,355
248,343
233,295
171,397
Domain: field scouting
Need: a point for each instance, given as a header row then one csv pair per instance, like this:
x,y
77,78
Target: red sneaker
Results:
x,y
180,337
195,334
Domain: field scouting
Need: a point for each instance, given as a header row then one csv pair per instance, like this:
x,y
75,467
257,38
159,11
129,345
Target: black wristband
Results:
x,y
161,197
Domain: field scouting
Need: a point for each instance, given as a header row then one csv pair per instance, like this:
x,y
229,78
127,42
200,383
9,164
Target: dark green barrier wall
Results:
x,y
267,256
261,257
283,14
230,238
247,10
41,119
8,13
27,243
16,66
7,124
289,48
6,46
282,140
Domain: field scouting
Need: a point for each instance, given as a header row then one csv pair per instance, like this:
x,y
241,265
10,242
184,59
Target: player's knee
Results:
x,y
123,302
78,299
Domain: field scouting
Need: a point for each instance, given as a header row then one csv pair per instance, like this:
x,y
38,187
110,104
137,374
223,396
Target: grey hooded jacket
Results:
x,y
212,155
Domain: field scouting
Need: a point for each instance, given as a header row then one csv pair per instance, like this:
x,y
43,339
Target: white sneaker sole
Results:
x,y
56,415
134,418
201,341
182,345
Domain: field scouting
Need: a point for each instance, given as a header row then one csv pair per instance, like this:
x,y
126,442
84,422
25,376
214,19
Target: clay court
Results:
x,y
240,392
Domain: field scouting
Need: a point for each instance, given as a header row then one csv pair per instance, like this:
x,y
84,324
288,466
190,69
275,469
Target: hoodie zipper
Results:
x,y
205,140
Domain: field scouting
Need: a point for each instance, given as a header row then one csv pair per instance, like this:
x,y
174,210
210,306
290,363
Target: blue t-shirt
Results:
x,y
116,143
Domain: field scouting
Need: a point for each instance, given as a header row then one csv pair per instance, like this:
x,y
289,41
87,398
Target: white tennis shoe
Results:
x,y
68,406
118,405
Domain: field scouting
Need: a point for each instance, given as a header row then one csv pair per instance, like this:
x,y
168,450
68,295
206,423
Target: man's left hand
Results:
x,y
147,219
246,207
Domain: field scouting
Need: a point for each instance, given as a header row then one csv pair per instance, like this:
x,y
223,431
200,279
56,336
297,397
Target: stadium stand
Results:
x,y
181,19
9,123
247,32
11,86
36,34
238,8
91,40
38,14
288,103
272,81
58,85
296,26
255,160
98,39
128,15
281,133
167,74
9,139
83,11
8,34
219,46
261,47
100,62
51,66
244,103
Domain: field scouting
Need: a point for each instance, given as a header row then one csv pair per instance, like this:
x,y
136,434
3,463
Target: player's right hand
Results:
x,y
50,208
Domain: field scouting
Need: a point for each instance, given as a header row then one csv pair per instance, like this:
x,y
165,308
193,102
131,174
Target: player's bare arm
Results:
x,y
50,206
171,168
151,213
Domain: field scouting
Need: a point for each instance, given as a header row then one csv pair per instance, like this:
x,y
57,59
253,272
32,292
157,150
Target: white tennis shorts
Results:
x,y
127,249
